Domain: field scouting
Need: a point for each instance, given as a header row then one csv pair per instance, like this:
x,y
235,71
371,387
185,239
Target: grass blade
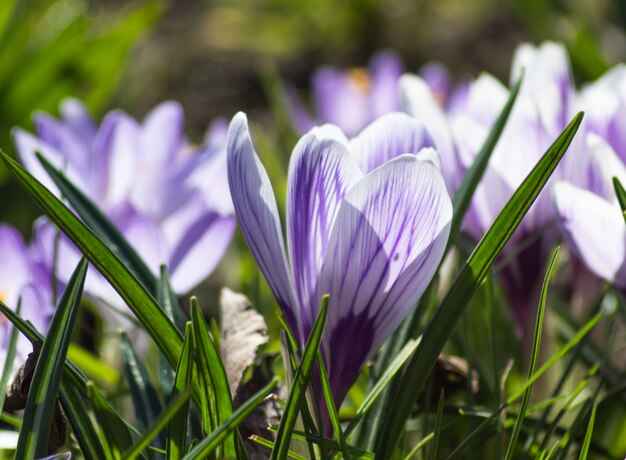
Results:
x,y
533,356
208,445
43,392
465,192
134,293
212,370
332,409
270,445
621,195
585,448
82,426
116,431
145,399
466,283
381,384
177,429
547,365
100,225
433,449
172,409
300,384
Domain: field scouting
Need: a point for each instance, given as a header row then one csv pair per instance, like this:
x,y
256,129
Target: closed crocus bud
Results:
x,y
368,220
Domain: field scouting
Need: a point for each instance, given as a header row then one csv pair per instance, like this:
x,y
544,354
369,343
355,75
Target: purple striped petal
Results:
x,y
386,245
257,214
321,171
388,137
595,229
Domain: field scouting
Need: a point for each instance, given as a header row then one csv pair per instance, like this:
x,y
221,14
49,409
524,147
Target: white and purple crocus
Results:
x,y
168,198
368,220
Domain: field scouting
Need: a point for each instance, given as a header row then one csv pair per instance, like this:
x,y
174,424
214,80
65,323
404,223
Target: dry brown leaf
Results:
x,y
243,331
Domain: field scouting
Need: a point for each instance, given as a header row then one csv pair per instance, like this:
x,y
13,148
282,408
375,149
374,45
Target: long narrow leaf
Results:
x,y
585,448
82,426
620,193
173,408
382,383
300,384
134,293
208,445
145,399
332,409
212,369
533,356
547,365
437,432
177,429
44,387
116,431
466,283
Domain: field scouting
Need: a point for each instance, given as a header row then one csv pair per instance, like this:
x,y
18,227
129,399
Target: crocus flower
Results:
x,y
168,198
591,219
590,216
436,75
367,223
352,99
21,278
421,102
541,112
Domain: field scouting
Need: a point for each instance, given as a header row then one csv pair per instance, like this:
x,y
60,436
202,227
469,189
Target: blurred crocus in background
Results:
x,y
590,217
367,223
353,98
169,198
544,106
22,281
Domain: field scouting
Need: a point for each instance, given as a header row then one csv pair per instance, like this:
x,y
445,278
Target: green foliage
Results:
x,y
42,394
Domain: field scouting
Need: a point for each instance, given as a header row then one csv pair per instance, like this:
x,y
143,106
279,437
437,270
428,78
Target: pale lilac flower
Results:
x,y
593,225
421,102
543,108
167,197
367,223
352,99
22,278
590,217
436,75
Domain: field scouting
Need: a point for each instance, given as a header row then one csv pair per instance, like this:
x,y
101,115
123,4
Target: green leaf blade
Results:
x,y
42,395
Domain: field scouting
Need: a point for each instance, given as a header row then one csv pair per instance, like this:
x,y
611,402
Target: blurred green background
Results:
x,y
214,56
